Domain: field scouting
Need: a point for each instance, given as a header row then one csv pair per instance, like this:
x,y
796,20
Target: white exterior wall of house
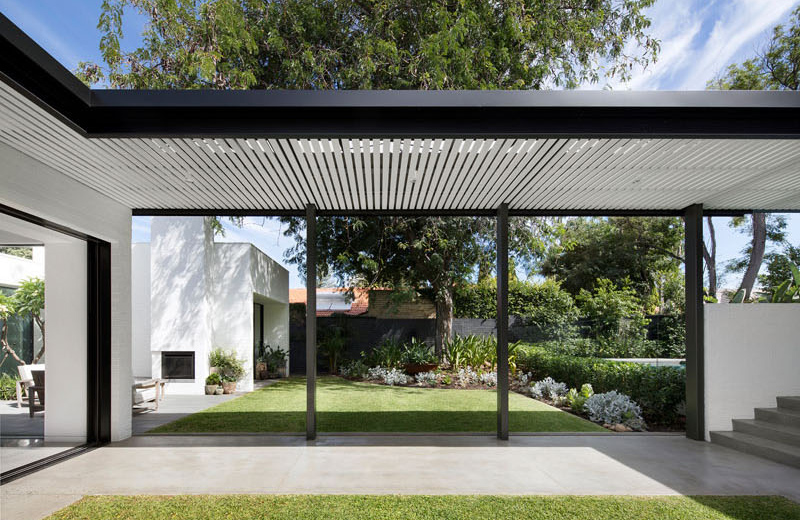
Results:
x,y
35,188
200,295
752,355
140,319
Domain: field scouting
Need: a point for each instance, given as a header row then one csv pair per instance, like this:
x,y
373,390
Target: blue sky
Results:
x,y
698,39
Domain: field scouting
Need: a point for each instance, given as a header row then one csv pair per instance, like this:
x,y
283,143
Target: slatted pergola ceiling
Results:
x,y
346,174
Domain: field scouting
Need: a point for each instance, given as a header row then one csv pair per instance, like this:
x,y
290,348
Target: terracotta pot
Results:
x,y
211,389
416,368
219,390
213,370
261,370
228,387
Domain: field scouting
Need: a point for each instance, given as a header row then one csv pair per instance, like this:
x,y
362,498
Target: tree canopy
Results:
x,y
645,252
372,44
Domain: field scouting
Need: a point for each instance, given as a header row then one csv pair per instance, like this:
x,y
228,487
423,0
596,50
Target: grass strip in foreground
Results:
x,y
362,507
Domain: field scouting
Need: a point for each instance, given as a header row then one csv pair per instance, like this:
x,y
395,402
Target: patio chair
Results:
x,y
146,394
36,391
25,381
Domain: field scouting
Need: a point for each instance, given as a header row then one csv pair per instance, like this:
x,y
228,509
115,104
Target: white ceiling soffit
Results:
x,y
412,174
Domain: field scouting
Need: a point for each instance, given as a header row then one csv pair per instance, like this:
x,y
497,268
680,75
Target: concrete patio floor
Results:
x,y
563,464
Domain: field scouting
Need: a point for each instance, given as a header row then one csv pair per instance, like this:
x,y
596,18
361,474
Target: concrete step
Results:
x,y
785,416
789,402
773,431
758,446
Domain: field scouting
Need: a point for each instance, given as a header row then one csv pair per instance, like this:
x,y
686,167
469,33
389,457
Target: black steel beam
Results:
x,y
695,352
502,322
34,73
311,322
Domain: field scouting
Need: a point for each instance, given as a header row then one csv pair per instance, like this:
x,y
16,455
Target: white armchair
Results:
x,y
25,380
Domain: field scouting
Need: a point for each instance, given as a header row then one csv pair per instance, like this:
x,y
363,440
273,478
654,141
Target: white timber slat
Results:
x,y
419,173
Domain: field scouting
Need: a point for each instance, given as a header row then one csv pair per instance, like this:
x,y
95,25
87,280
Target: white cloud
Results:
x,y
740,24
699,39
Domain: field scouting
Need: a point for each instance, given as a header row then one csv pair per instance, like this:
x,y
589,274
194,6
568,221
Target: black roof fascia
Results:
x,y
481,114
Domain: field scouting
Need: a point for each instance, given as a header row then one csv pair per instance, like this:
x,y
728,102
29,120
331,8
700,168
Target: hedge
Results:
x,y
658,390
543,306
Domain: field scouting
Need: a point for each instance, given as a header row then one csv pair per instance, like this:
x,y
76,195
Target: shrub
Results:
x,y
395,377
615,408
548,388
389,376
355,368
577,399
426,378
604,348
545,307
488,378
613,312
477,351
658,390
213,379
388,354
333,345
8,387
418,353
467,376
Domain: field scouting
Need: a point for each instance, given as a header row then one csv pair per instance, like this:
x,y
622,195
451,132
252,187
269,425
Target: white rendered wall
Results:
x,y
233,305
180,289
35,188
140,305
66,338
271,288
752,355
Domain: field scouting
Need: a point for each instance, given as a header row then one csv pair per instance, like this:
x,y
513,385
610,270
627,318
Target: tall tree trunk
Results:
x,y
711,259
756,253
444,320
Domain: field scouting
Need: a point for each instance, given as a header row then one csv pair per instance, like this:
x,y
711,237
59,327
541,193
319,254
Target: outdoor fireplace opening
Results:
x,y
177,365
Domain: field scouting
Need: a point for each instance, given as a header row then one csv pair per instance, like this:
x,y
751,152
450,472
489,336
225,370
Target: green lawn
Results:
x,y
358,507
347,406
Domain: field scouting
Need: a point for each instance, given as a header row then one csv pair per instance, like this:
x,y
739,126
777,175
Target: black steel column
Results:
x,y
311,321
695,356
98,352
502,322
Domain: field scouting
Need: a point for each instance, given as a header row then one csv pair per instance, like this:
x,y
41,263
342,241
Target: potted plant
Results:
x,y
228,366
212,382
418,357
261,361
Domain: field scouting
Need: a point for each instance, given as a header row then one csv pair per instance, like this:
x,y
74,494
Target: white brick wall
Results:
x,y
33,187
